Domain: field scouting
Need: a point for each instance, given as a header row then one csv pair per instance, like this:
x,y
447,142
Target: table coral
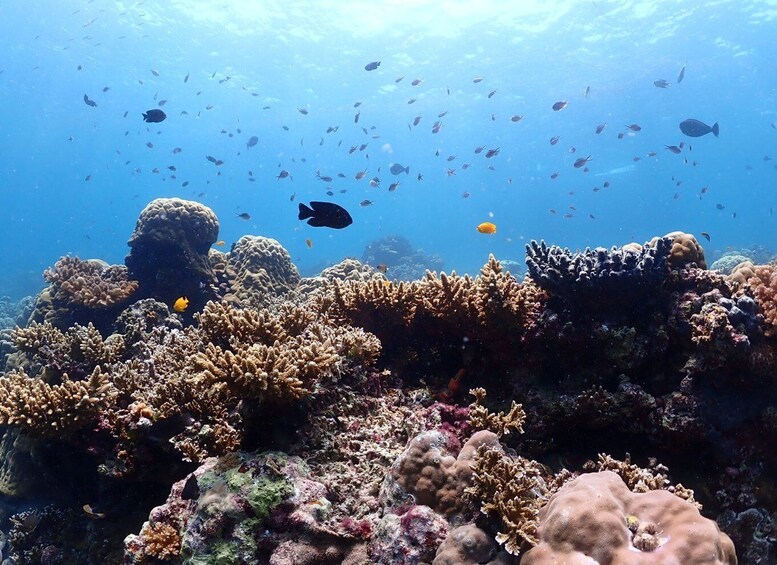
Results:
x,y
596,518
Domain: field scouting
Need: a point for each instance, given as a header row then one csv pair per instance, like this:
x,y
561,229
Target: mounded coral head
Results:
x,y
596,518
685,250
259,268
169,255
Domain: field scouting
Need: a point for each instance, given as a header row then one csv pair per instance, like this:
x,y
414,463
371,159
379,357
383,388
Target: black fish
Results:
x,y
253,140
695,128
681,76
191,490
661,83
89,101
154,116
396,168
325,214
372,66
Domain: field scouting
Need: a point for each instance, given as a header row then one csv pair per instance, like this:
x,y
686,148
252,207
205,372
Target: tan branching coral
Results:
x,y
62,351
499,423
92,284
43,409
161,540
515,489
639,479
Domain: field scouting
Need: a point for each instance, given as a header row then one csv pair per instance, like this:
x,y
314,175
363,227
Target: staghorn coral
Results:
x,y
258,269
89,284
639,479
513,488
500,423
596,518
45,410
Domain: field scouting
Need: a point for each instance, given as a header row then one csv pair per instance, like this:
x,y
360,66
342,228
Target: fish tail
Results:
x,y
304,212
715,129
407,170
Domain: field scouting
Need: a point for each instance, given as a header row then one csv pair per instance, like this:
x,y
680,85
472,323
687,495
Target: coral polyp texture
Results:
x,y
595,518
327,420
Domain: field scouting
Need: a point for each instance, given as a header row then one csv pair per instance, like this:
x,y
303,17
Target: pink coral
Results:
x,y
595,518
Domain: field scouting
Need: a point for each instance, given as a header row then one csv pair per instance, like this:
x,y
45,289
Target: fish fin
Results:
x,y
407,170
304,212
315,222
715,129
145,117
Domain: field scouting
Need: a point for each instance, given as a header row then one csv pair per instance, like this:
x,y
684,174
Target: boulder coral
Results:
x,y
595,518
169,251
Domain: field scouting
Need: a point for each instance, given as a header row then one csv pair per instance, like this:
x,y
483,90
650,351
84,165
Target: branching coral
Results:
x,y
639,479
43,409
513,488
422,320
91,284
499,423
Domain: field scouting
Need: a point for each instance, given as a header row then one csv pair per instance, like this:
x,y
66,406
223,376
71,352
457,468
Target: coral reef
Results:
x,y
596,517
326,420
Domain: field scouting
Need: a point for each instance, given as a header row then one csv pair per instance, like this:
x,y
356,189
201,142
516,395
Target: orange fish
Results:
x,y
487,227
220,243
181,304
309,243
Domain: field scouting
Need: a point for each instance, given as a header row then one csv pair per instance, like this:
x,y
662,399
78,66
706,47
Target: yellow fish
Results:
x,y
221,243
487,227
181,304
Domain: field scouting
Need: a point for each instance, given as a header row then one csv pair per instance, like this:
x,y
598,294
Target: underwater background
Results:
x,y
74,177
197,369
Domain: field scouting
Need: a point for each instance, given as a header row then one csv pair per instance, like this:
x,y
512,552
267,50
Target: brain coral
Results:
x,y
259,268
595,518
169,255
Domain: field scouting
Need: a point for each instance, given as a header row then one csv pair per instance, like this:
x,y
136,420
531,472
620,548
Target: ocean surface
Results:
x,y
75,175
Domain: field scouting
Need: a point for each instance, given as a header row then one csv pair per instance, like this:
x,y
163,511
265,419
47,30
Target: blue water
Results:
x,y
311,55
